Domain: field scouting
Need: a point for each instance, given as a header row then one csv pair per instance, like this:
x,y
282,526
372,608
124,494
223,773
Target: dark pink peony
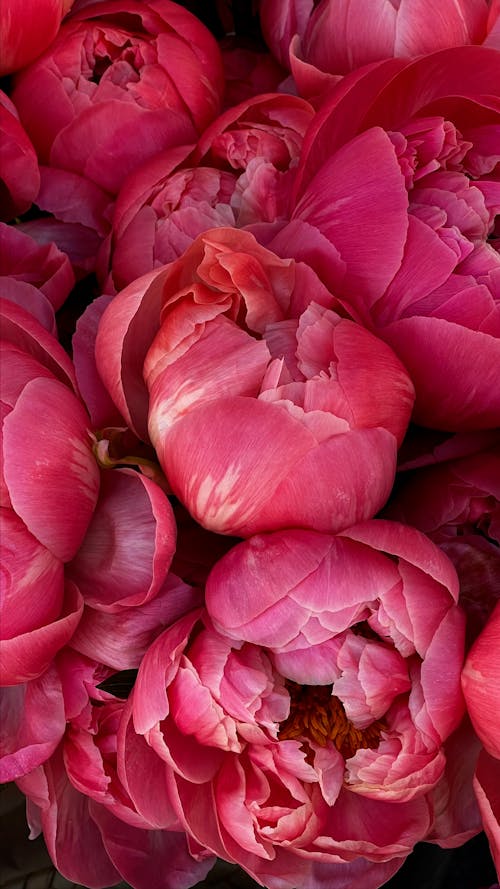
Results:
x,y
253,390
300,731
80,785
122,81
240,172
397,203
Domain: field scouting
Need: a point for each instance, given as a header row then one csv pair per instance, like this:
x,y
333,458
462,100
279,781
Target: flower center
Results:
x,y
319,716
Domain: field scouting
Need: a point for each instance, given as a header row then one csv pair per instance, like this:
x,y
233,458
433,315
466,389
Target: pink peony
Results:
x,y
113,542
26,29
79,785
240,172
398,197
122,81
300,727
255,398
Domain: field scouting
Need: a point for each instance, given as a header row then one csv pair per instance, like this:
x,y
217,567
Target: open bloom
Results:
x,y
421,268
300,726
266,408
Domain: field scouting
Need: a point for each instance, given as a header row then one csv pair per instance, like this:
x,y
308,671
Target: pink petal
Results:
x,y
62,468
364,172
28,737
127,550
486,786
120,638
27,656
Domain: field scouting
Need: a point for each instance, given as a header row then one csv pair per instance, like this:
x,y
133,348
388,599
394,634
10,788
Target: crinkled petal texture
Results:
x,y
481,684
266,409
417,142
299,726
120,83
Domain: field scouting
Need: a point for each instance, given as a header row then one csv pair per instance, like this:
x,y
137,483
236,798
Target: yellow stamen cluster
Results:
x,y
317,715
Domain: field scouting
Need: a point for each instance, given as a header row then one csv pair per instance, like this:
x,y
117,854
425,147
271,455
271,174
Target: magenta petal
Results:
x,y
99,404
28,738
454,370
127,551
51,473
78,854
363,173
147,858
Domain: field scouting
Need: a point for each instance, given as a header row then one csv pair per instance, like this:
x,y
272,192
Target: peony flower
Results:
x,y
26,29
19,177
80,785
112,543
299,727
255,398
240,172
108,93
420,150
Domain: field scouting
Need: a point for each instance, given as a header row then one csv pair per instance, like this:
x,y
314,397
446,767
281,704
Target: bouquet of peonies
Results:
x,y
250,402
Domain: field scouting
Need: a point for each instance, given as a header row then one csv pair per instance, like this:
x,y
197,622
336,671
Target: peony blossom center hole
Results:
x,y
317,715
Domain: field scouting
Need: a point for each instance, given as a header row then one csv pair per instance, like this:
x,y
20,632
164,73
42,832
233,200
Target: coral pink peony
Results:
x,y
265,409
300,727
398,197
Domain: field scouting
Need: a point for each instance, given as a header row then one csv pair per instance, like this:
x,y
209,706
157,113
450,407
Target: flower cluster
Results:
x,y
250,407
